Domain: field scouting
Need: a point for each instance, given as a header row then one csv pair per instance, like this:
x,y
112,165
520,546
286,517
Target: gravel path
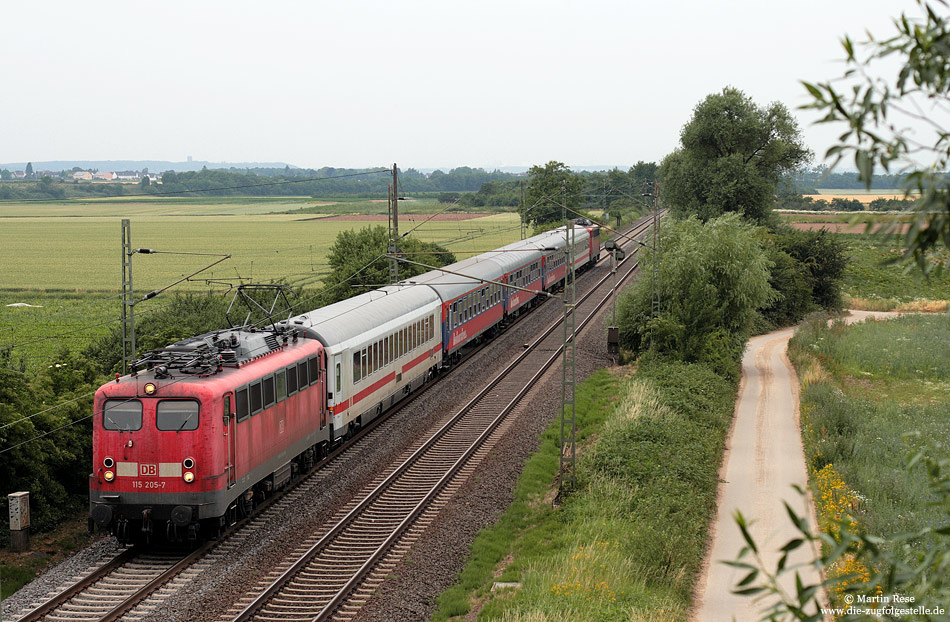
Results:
x,y
763,460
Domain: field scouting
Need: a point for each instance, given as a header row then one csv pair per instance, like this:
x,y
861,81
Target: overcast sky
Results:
x,y
424,84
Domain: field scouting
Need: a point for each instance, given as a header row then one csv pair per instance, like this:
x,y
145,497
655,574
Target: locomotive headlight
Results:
x,y
149,388
188,463
108,476
188,477
108,462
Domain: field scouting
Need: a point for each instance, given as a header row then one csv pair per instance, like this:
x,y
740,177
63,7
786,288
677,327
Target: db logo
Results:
x,y
148,470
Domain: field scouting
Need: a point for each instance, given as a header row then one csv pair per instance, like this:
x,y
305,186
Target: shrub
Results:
x,y
713,278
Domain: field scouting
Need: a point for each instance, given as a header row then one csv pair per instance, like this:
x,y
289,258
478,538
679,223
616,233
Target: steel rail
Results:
x,y
252,608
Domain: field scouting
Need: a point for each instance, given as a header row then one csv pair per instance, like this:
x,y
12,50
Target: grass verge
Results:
x,y
18,569
628,544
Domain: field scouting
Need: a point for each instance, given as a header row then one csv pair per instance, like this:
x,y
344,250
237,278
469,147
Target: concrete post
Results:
x,y
19,521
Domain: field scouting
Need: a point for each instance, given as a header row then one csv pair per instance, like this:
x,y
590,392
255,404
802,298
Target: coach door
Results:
x,y
230,437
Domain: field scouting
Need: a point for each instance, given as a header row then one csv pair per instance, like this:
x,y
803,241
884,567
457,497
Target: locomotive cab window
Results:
x,y
176,415
122,415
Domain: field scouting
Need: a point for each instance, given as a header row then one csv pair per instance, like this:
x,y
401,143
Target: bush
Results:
x,y
159,326
713,278
792,283
823,255
45,435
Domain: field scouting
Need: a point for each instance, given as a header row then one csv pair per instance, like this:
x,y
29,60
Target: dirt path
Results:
x,y
763,460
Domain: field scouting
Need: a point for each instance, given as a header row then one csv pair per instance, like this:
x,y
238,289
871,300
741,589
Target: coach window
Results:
x,y
338,378
280,380
268,385
386,360
356,367
176,415
122,415
375,357
257,403
313,369
291,380
364,363
241,404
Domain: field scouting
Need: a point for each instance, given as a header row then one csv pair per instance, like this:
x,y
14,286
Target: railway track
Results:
x,y
335,573
134,583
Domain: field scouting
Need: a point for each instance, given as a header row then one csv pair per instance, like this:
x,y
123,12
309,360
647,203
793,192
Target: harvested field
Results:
x,y
453,217
863,198
841,227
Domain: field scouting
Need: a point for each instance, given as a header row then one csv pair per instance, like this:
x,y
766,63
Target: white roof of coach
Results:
x,y
514,255
451,286
338,323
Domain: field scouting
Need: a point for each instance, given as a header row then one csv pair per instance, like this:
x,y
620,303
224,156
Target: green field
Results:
x,y
872,395
65,257
870,283
60,248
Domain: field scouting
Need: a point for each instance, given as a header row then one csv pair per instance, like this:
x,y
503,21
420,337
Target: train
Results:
x,y
203,430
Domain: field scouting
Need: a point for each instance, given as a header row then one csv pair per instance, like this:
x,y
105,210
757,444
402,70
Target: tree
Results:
x,y
29,170
6,175
358,263
146,182
545,193
875,111
732,156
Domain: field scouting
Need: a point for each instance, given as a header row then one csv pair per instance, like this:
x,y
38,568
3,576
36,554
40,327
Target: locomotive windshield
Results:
x,y
176,415
122,415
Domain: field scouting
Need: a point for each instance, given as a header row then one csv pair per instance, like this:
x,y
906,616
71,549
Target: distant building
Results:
x,y
129,175
82,175
107,176
19,175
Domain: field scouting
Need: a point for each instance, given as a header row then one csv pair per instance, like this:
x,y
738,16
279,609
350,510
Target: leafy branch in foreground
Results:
x,y
877,113
894,566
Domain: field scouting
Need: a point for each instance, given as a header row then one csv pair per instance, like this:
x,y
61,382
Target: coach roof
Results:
x,y
345,320
469,274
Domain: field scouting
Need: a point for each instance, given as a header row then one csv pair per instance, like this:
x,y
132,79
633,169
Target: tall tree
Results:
x,y
29,170
875,111
546,192
732,156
